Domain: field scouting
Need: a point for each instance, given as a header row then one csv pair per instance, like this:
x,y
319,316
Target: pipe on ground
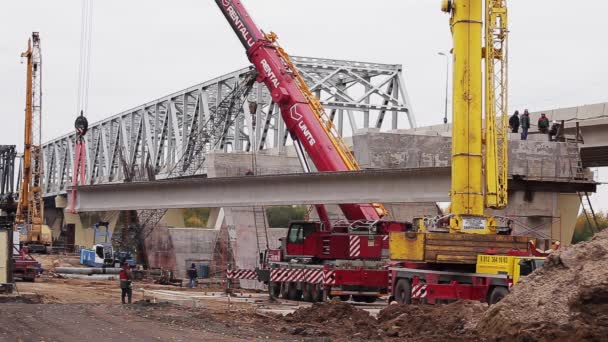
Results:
x,y
87,270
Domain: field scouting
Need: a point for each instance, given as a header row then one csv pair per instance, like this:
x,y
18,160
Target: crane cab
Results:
x,y
309,240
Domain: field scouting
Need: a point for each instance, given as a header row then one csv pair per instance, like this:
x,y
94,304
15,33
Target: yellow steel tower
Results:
x,y
471,192
30,205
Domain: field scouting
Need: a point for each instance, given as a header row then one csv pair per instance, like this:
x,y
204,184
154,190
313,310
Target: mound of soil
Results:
x,y
333,318
456,321
567,299
342,321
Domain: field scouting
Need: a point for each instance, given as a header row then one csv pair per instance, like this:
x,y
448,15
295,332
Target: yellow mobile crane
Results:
x,y
479,156
468,254
30,207
479,180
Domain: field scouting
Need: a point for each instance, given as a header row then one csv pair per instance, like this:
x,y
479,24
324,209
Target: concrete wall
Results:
x,y
161,252
237,164
176,248
84,232
539,214
535,158
192,245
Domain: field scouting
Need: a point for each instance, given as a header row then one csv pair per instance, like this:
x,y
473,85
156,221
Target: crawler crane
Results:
x,y
29,219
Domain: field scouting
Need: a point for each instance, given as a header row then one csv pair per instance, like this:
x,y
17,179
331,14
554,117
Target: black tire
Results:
x,y
403,291
370,299
358,299
307,292
344,298
284,290
316,292
292,291
274,289
498,293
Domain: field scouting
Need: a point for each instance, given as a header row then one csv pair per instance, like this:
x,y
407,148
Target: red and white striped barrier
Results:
x,y
355,246
241,274
329,278
419,291
314,276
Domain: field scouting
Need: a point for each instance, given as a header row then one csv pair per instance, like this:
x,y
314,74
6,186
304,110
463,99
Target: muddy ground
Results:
x,y
567,300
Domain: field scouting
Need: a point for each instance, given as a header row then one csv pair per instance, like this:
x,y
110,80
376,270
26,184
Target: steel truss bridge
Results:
x,y
8,154
170,137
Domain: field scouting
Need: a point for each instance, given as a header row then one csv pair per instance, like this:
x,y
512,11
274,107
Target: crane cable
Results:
x,y
84,70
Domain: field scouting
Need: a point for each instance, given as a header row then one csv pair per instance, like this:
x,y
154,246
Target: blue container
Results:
x,y
203,271
87,257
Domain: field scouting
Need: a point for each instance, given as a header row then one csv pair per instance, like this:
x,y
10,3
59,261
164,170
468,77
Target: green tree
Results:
x,y
279,217
583,231
196,217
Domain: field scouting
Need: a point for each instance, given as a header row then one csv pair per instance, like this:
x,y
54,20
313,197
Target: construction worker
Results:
x,y
525,125
543,124
192,275
514,122
126,277
553,131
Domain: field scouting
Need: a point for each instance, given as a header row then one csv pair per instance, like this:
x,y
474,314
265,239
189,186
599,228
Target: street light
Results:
x,y
447,79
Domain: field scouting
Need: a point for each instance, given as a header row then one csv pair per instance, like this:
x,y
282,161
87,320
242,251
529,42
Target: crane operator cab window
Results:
x,y
99,252
527,266
299,231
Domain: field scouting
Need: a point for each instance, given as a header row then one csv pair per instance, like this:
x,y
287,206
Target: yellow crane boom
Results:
x,y
30,207
479,180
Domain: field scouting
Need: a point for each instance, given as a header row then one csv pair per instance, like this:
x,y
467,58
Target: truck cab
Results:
x,y
513,266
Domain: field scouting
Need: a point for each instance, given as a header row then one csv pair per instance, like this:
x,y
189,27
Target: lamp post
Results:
x,y
447,79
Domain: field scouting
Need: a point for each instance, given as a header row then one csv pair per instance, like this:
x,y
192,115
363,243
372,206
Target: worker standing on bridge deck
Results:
x,y
126,277
514,122
543,124
525,125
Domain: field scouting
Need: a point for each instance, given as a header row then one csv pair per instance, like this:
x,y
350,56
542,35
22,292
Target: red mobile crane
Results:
x,y
316,257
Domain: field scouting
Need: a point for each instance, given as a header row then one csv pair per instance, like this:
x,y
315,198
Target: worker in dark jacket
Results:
x,y
192,275
126,277
525,125
543,124
514,122
555,128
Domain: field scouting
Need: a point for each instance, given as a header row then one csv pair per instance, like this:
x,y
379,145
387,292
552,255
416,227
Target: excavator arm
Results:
x,y
309,126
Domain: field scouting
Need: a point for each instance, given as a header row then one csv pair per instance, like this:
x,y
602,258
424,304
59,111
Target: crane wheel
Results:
x,y
344,298
307,292
403,291
284,290
498,293
292,291
317,293
274,289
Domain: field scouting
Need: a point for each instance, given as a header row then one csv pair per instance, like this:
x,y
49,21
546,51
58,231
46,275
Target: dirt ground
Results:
x,y
75,310
567,300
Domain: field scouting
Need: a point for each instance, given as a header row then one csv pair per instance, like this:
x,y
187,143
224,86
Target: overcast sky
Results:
x,y
144,49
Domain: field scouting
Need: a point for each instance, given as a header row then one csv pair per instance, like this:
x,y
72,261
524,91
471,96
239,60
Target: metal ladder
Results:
x,y
261,227
577,171
588,211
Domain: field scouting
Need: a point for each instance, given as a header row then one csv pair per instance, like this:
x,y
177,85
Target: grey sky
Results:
x,y
143,49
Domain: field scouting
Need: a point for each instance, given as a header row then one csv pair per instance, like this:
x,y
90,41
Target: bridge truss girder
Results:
x,y
147,142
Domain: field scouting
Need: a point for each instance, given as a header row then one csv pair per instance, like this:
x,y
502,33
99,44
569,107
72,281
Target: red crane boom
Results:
x,y
302,112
